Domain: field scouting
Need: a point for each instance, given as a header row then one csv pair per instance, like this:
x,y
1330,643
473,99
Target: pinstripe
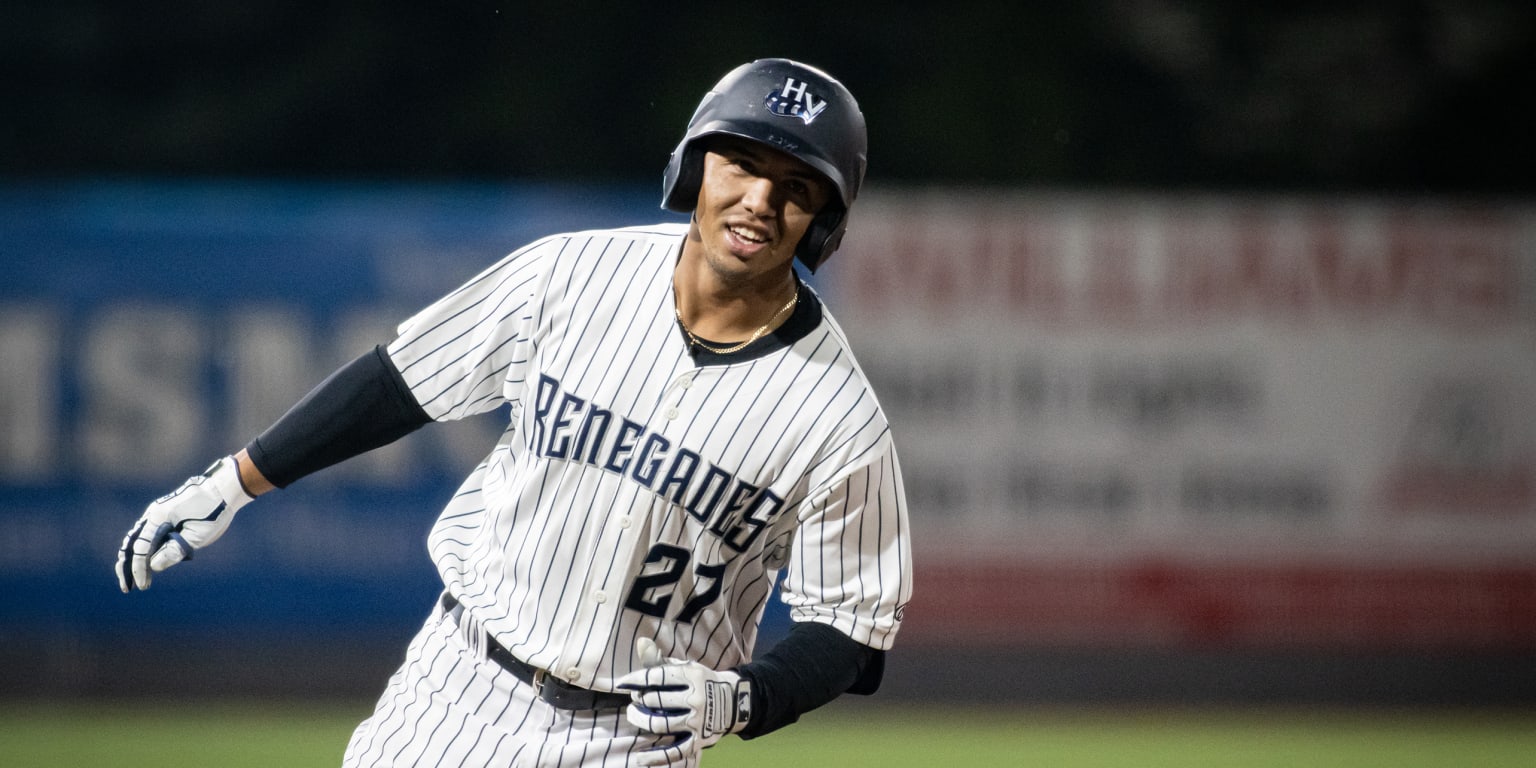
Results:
x,y
387,703
447,751
415,722
453,321
430,332
626,457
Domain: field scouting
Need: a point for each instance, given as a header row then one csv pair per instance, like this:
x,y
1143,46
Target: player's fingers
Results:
x,y
138,566
659,704
652,679
649,654
634,681
124,573
124,567
175,550
658,721
142,547
659,757
671,750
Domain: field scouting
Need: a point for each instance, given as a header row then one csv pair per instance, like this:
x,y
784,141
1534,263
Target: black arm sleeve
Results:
x,y
811,666
363,405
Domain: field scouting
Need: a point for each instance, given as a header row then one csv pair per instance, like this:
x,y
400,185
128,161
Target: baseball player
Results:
x,y
686,422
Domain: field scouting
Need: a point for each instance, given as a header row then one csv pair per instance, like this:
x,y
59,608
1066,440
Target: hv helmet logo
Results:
x,y
793,100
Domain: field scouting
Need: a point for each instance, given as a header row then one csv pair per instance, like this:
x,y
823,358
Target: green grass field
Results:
x,y
293,736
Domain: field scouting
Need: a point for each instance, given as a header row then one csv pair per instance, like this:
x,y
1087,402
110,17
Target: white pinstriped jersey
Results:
x,y
638,490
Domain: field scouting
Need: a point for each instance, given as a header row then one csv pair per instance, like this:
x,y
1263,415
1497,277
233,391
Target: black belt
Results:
x,y
551,689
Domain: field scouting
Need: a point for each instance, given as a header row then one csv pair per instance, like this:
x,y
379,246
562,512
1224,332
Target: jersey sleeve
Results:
x,y
851,562
469,351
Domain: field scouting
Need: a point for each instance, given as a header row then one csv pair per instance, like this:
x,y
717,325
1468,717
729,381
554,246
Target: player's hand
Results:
x,y
689,702
180,523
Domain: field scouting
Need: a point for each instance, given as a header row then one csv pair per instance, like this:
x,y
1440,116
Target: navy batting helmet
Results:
x,y
791,107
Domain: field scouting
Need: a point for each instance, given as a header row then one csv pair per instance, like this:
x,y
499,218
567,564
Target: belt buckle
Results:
x,y
538,682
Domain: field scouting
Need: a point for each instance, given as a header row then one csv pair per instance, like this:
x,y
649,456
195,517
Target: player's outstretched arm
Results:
x,y
187,519
363,405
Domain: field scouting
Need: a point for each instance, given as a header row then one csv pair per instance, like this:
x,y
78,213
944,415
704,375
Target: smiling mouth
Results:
x,y
748,235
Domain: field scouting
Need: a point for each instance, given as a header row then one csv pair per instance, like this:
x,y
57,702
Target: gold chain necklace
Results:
x,y
757,334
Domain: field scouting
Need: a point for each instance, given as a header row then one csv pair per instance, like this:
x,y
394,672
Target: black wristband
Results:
x,y
363,405
811,666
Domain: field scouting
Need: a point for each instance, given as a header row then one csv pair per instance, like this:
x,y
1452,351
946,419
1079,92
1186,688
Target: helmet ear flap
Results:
x,y
822,238
684,175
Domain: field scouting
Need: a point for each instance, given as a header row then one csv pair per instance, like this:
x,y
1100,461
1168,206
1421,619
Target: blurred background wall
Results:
x,y
1207,333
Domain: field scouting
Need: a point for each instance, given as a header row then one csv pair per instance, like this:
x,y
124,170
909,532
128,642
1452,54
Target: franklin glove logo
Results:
x,y
793,100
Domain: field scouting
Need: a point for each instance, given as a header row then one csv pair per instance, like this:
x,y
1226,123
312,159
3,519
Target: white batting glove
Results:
x,y
180,523
686,700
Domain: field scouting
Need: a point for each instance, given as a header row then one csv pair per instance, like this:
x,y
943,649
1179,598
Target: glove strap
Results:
x,y
224,475
727,706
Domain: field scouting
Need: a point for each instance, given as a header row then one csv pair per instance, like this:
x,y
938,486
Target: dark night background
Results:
x,y
1401,98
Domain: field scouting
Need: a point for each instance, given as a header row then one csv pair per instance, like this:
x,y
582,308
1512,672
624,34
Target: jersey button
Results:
x,y
671,414
600,597
685,382
623,522
573,674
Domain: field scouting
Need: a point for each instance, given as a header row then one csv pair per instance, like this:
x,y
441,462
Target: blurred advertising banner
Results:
x,y
1171,421
149,328
1143,421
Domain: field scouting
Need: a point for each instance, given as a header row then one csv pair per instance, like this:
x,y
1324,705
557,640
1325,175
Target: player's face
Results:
x,y
755,203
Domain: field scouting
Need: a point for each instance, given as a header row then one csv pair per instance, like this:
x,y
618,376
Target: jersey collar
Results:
x,y
805,319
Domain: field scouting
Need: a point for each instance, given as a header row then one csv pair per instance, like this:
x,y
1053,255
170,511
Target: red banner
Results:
x,y
1165,603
